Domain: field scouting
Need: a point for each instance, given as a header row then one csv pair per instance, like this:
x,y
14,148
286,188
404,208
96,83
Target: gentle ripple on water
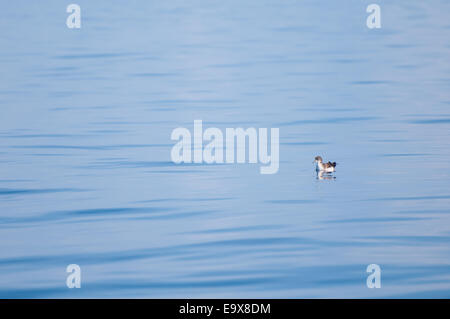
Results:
x,y
85,171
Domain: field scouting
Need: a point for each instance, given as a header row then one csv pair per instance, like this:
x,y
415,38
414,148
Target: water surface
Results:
x,y
85,170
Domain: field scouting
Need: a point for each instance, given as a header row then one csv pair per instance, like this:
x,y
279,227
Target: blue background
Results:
x,y
85,171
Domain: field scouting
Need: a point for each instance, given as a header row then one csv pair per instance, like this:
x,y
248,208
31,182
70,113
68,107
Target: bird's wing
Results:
x,y
329,164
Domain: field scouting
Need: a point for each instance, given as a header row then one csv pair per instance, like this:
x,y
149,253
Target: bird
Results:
x,y
324,167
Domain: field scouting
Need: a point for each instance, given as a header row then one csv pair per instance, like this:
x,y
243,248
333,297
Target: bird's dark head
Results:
x,y
318,159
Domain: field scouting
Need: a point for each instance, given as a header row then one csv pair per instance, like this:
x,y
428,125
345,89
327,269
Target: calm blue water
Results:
x,y
85,171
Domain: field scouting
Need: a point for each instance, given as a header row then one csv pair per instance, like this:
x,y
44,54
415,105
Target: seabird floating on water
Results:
x,y
324,167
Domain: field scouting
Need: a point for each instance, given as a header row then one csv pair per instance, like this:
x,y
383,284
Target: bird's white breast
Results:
x,y
322,167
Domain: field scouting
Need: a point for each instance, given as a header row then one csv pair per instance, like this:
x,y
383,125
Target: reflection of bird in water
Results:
x,y
323,175
324,167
